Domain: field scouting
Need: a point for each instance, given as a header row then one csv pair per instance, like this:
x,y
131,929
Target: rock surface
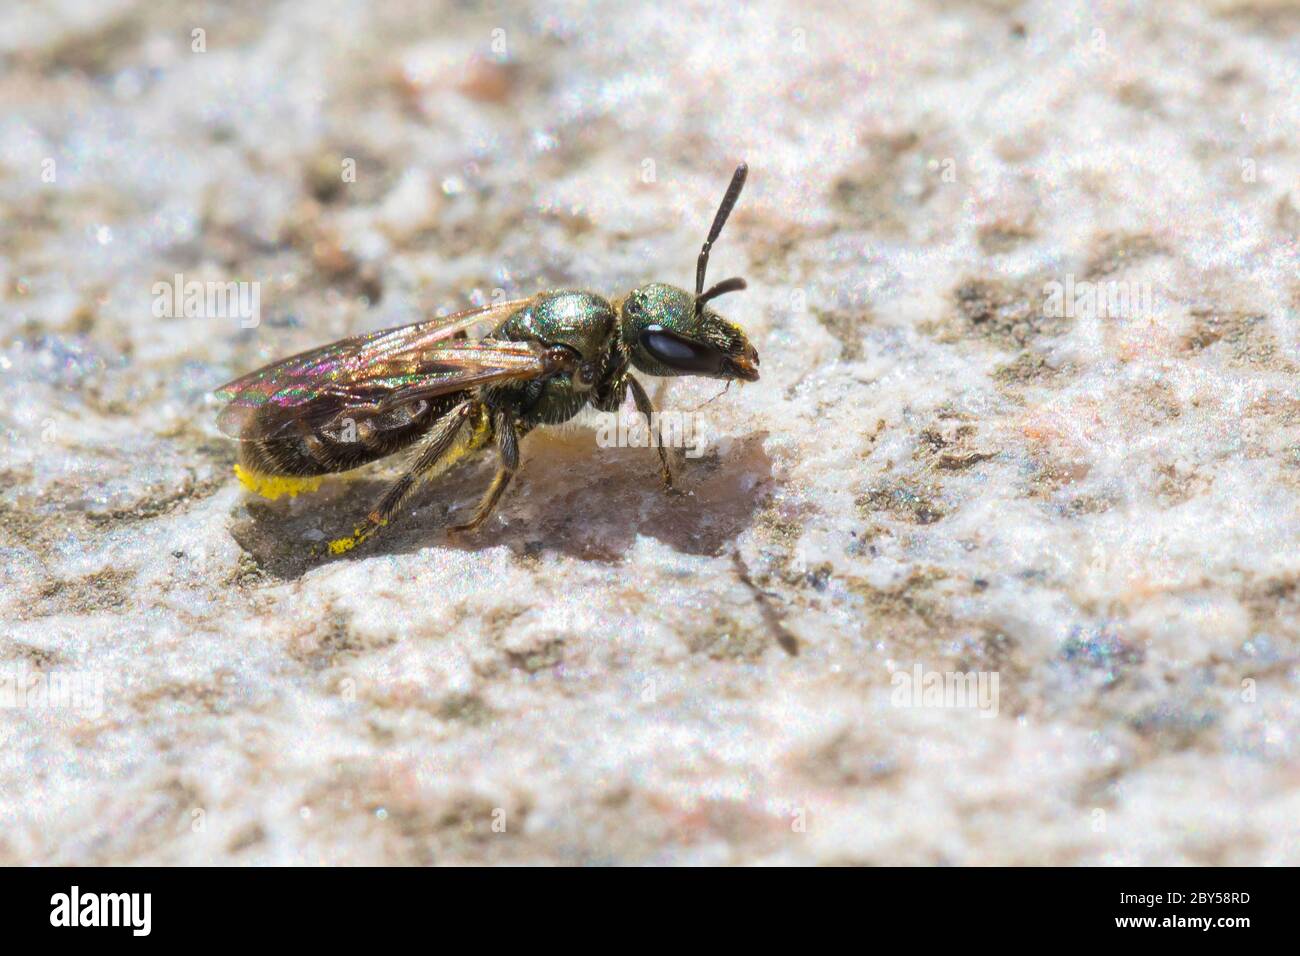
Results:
x,y
1024,282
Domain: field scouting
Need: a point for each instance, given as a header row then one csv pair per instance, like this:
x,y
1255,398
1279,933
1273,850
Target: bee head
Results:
x,y
669,331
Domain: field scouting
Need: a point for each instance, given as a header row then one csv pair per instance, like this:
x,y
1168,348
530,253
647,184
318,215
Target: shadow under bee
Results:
x,y
571,497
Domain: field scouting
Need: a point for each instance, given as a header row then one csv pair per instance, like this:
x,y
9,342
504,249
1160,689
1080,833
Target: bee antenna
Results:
x,y
726,388
720,220
734,284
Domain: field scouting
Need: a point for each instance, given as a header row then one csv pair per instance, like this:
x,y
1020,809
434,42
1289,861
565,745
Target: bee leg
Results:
x,y
508,448
441,440
646,408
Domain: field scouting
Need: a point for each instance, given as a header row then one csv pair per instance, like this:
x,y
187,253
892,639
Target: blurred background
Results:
x,y
1023,280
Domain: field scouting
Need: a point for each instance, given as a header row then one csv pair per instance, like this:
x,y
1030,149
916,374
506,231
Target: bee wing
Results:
x,y
375,374
343,359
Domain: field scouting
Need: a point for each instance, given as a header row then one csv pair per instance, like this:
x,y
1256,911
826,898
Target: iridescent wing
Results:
x,y
378,375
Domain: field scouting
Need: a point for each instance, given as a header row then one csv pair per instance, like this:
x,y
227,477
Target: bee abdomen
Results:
x,y
344,443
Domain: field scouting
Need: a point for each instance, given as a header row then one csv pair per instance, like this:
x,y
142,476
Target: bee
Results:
x,y
542,360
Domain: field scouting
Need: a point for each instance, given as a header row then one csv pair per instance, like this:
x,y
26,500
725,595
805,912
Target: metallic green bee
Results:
x,y
545,358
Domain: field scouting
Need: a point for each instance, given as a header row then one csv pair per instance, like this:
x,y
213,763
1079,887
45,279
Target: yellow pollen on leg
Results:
x,y
342,545
275,486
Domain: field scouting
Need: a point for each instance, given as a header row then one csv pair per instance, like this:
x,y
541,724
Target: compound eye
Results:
x,y
680,353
